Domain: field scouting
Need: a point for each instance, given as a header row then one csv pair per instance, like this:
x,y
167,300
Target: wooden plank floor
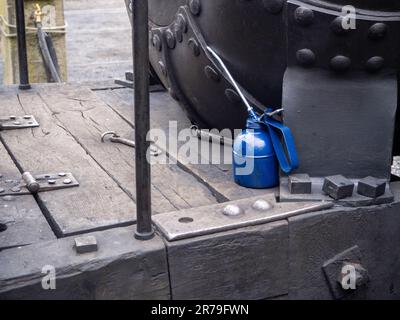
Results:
x,y
218,178
71,121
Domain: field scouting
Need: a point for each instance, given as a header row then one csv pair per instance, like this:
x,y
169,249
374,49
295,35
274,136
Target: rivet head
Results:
x,y
337,26
305,57
377,31
13,117
232,210
51,181
2,190
340,63
171,42
374,64
178,32
67,181
181,22
212,74
157,42
261,205
304,16
193,44
26,117
273,6
62,174
17,123
195,7
233,96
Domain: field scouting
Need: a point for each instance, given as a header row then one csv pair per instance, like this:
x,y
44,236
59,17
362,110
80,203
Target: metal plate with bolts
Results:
x,y
356,200
44,182
206,220
18,122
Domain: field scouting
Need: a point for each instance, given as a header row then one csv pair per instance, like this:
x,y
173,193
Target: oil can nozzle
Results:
x,y
250,110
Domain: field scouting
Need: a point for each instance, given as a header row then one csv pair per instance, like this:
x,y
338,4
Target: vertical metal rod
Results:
x,y
22,56
140,33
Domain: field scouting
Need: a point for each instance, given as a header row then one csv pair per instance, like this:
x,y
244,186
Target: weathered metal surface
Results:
x,y
18,122
224,217
38,183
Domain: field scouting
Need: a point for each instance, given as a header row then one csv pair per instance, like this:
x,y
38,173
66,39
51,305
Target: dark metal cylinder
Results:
x,y
22,56
140,41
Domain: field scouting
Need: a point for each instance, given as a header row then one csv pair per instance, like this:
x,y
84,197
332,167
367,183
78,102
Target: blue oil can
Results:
x,y
254,159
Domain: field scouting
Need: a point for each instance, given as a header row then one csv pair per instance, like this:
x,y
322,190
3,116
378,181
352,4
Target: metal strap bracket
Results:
x,y
18,122
30,184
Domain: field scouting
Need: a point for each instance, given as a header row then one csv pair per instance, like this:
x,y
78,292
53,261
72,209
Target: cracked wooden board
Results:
x,y
217,178
21,220
98,203
86,117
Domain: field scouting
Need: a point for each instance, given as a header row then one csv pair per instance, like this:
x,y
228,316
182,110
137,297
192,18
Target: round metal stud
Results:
x,y
195,7
193,44
212,74
340,63
157,42
305,57
17,123
2,190
262,205
171,42
232,210
51,181
27,117
62,174
304,16
67,181
181,21
13,117
178,32
377,31
374,64
233,96
273,6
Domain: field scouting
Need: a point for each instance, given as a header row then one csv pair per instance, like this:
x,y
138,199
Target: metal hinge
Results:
x,y
29,184
18,122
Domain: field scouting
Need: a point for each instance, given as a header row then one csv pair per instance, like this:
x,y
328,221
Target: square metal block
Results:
x,y
86,244
300,184
338,187
371,187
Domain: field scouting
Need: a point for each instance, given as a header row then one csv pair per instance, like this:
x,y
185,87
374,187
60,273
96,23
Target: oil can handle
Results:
x,y
285,148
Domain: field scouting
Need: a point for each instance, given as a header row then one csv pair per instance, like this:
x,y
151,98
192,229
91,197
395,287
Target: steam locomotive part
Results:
x,y
337,85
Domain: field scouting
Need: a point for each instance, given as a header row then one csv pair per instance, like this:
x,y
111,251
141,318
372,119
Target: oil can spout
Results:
x,y
250,110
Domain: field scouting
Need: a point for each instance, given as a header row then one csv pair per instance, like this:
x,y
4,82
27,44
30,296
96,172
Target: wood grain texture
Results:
x,y
218,178
98,203
24,221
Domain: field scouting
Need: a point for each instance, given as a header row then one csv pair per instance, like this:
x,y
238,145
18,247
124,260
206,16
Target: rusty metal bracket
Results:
x,y
30,184
18,122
